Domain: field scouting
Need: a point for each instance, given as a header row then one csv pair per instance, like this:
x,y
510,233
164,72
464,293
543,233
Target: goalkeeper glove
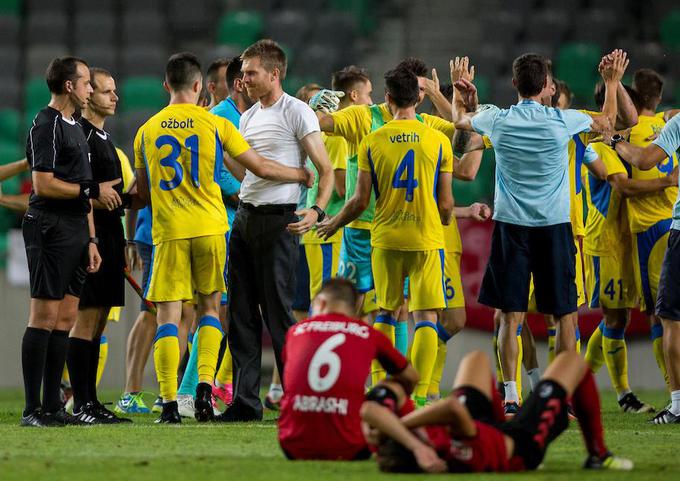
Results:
x,y
326,100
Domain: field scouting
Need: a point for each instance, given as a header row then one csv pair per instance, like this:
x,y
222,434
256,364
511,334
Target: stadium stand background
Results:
x,y
133,38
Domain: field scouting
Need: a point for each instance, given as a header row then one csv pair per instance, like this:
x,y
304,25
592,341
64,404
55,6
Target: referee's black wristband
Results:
x,y
89,190
126,201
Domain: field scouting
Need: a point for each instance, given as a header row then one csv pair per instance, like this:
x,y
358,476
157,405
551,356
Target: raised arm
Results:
x,y
612,69
437,98
626,115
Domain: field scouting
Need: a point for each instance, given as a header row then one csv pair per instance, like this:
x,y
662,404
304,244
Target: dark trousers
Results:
x,y
263,259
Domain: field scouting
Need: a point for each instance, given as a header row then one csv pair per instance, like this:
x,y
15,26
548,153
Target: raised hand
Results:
x,y
461,69
613,66
467,93
432,85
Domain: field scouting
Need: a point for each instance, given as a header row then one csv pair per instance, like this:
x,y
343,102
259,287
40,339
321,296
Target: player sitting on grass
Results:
x,y
466,431
327,359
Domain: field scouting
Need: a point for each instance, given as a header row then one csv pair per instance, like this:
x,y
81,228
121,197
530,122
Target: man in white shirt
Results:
x,y
263,249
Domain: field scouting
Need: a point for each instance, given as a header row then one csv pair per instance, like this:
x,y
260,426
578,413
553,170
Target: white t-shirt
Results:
x,y
275,133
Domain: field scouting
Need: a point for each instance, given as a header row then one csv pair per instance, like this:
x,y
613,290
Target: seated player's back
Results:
x,y
328,359
405,158
182,147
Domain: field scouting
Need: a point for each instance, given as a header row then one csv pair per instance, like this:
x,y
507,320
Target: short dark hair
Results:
x,y
182,70
60,70
212,73
447,91
600,94
348,77
415,65
94,71
271,55
649,86
402,86
234,70
341,290
561,87
393,457
530,72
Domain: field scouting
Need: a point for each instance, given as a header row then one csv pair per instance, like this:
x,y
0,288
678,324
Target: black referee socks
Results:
x,y
54,370
93,365
33,353
78,362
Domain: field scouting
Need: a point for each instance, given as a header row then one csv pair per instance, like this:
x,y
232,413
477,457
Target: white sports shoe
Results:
x,y
185,405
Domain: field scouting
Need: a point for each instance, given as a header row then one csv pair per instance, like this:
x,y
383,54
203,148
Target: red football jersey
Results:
x,y
484,452
327,360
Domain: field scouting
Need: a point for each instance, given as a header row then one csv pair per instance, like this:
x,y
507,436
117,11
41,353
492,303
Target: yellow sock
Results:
x,y
190,341
578,340
594,355
552,337
424,355
616,357
440,361
166,360
209,339
386,324
520,356
657,348
103,356
64,376
225,374
496,357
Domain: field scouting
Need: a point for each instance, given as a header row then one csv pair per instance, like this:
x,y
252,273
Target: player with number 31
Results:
x,y
409,166
177,154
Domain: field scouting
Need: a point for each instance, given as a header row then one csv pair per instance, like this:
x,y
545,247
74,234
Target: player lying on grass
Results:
x,y
467,432
327,359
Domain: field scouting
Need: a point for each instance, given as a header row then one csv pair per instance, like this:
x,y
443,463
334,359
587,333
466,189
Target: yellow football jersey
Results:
x,y
646,210
606,224
181,149
405,158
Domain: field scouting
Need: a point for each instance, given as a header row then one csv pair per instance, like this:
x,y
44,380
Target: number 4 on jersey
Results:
x,y
410,183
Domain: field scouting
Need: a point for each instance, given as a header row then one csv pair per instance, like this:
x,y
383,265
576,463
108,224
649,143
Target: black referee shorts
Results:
x,y
56,248
517,252
106,287
668,299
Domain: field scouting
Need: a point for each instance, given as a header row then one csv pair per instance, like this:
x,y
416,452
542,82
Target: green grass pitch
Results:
x,y
144,451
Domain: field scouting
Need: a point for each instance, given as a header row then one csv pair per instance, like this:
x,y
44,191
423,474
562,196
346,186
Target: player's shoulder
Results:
x,y
47,115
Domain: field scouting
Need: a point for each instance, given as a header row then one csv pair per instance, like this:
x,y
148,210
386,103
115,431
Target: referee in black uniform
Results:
x,y
106,287
57,228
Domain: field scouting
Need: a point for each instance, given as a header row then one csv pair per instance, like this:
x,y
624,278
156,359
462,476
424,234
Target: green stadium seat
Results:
x,y
36,95
10,123
10,7
3,243
360,9
577,65
11,151
240,28
669,30
143,93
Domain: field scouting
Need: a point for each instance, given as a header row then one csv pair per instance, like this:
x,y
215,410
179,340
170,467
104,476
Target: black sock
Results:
x,y
54,370
94,365
78,362
33,353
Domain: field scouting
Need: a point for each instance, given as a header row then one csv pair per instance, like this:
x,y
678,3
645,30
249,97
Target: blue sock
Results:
x,y
190,378
401,337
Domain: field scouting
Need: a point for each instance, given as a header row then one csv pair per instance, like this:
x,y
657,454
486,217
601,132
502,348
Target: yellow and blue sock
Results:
x,y
657,348
616,358
577,334
166,360
552,338
386,324
496,356
190,340
401,337
423,356
209,339
443,337
103,357
520,357
225,374
594,355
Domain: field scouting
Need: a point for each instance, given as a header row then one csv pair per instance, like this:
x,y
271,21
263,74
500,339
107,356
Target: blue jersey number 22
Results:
x,y
409,183
171,160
